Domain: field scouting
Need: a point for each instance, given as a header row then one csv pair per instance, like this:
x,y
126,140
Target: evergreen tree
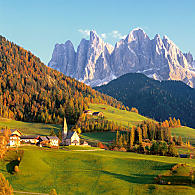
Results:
x,y
121,141
139,131
178,123
132,136
117,138
52,132
172,150
179,141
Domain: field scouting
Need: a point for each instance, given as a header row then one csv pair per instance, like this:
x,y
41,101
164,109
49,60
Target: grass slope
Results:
x,y
122,117
93,172
185,132
28,128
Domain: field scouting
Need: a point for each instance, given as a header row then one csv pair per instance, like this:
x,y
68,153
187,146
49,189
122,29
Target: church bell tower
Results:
x,y
64,131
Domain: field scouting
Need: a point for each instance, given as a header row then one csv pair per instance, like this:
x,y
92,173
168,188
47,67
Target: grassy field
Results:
x,y
29,128
92,172
185,132
122,117
99,136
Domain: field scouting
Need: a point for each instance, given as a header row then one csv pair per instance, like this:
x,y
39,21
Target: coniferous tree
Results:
x,y
132,136
139,131
179,141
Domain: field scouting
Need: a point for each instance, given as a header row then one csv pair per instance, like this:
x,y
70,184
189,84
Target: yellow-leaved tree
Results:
x,y
5,187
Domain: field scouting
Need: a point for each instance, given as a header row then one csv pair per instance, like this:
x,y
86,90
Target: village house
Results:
x,y
14,138
29,139
42,141
16,132
100,114
89,112
53,141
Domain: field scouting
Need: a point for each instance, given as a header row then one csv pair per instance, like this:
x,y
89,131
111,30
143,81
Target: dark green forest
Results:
x,y
31,91
155,99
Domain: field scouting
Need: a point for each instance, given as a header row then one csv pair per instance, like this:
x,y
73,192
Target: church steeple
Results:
x,y
65,130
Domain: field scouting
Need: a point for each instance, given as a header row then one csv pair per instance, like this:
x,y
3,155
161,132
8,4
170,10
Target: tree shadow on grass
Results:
x,y
11,165
164,167
135,178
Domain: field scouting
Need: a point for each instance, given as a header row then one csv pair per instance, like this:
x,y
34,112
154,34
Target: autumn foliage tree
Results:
x,y
5,187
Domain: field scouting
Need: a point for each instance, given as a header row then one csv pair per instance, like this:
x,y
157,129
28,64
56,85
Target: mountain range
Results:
x,y
155,99
96,62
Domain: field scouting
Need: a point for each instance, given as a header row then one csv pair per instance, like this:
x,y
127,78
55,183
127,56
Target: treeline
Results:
x,y
31,91
149,130
150,137
88,123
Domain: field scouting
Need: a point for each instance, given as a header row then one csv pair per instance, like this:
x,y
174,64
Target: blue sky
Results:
x,y
38,25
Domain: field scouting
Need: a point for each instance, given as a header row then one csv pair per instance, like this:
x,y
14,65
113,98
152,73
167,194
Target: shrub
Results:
x,y
53,192
16,169
122,149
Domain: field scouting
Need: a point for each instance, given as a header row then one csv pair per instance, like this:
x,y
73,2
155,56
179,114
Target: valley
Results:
x,y
102,172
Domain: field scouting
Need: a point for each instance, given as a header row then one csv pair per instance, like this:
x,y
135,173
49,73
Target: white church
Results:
x,y
69,137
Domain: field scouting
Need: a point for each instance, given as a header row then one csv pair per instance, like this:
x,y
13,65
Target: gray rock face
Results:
x,y
63,58
96,63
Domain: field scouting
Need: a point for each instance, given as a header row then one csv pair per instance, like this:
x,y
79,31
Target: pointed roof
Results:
x,y
70,134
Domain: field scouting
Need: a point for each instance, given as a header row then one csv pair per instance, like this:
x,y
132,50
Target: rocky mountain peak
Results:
x,y
96,62
137,34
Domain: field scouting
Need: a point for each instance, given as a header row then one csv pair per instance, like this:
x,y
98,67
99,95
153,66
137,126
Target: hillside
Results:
x,y
29,128
123,117
93,172
155,99
31,91
126,119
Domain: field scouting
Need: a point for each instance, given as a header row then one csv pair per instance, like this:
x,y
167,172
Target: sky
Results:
x,y
38,25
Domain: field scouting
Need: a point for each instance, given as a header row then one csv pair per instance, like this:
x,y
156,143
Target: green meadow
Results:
x,y
29,128
122,117
185,132
92,172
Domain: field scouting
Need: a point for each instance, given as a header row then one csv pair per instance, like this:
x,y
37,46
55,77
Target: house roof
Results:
x,y
29,136
43,138
70,134
52,137
96,112
86,111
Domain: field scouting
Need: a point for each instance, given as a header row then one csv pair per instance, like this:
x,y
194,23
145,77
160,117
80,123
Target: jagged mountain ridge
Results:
x,y
96,62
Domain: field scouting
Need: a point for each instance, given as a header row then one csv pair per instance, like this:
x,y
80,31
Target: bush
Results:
x,y
16,169
53,192
122,149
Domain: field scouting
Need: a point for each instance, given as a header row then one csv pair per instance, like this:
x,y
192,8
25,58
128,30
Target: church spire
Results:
x,y
65,130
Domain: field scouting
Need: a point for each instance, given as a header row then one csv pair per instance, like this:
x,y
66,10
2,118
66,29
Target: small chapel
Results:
x,y
69,137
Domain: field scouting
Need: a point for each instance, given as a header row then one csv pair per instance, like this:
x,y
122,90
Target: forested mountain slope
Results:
x,y
155,99
31,91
